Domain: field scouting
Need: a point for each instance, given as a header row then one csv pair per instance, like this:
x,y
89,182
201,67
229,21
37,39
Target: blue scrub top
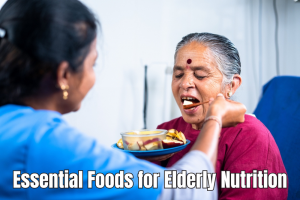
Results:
x,y
40,141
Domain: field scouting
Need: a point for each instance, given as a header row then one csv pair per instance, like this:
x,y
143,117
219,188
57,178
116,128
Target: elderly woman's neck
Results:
x,y
197,126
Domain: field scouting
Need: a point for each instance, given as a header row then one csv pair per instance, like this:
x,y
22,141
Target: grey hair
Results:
x,y
225,54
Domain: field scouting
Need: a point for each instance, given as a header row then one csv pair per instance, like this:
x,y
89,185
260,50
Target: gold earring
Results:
x,y
229,93
64,88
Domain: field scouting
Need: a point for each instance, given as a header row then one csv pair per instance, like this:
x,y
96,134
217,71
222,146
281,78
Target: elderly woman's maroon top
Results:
x,y
246,147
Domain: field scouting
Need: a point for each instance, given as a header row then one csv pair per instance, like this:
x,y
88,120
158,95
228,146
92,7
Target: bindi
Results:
x,y
189,61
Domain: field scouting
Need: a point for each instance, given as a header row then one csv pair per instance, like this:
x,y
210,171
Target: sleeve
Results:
x,y
192,162
62,148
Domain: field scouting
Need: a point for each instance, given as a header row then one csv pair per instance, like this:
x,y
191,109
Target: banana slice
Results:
x,y
174,134
120,144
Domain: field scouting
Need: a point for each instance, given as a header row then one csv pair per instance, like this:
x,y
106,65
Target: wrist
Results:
x,y
217,119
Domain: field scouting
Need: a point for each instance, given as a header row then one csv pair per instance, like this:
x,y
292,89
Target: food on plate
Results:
x,y
133,146
173,138
141,145
169,143
120,144
153,144
175,135
144,140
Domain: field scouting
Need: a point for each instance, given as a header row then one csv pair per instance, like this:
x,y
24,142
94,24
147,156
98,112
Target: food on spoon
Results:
x,y
185,102
189,102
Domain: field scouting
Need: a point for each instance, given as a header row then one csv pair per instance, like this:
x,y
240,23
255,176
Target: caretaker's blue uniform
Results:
x,y
40,141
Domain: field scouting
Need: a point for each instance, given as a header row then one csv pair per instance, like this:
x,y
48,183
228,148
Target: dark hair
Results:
x,y
40,34
225,53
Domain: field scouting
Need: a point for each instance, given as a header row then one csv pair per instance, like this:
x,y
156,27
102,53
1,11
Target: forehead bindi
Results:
x,y
189,61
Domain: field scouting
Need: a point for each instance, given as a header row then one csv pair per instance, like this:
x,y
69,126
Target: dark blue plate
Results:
x,y
158,152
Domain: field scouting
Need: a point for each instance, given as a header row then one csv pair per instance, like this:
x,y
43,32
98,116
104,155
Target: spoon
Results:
x,y
194,105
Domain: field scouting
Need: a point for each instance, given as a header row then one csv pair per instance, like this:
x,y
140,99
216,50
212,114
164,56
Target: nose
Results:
x,y
187,82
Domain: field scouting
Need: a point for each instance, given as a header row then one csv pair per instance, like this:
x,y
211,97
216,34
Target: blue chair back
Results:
x,y
279,110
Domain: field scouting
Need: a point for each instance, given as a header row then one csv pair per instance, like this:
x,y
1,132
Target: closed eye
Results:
x,y
200,77
179,76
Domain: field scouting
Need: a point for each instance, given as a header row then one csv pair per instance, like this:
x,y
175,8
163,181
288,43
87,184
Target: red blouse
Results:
x,y
246,147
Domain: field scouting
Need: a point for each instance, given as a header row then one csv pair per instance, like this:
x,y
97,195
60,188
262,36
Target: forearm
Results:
x,y
192,162
207,141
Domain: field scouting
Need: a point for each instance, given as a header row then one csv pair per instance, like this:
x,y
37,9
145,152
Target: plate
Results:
x,y
158,152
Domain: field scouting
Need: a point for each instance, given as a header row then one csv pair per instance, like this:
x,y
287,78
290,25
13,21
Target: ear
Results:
x,y
235,84
63,74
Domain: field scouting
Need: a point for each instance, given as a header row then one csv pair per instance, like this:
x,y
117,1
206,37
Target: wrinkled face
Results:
x,y
81,82
195,79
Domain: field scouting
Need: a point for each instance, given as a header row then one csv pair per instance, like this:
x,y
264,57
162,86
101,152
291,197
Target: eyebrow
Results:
x,y
178,68
195,68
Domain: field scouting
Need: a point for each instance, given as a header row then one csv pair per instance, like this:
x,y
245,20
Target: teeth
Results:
x,y
188,98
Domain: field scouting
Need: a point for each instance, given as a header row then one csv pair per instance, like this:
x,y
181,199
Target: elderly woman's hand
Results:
x,y
230,112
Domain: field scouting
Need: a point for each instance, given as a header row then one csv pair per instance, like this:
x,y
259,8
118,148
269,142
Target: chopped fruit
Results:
x,y
185,102
181,137
168,137
152,140
171,143
153,145
127,143
172,135
143,148
172,131
120,144
173,138
175,135
133,146
141,145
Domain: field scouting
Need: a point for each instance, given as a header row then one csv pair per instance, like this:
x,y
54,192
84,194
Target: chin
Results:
x,y
77,108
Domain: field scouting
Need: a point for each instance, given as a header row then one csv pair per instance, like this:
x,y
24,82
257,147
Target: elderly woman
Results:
x,y
47,54
205,65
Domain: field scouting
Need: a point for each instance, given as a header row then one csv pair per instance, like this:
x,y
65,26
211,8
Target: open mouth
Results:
x,y
189,101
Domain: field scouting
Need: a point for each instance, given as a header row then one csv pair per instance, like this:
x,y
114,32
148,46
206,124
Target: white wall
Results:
x,y
137,32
